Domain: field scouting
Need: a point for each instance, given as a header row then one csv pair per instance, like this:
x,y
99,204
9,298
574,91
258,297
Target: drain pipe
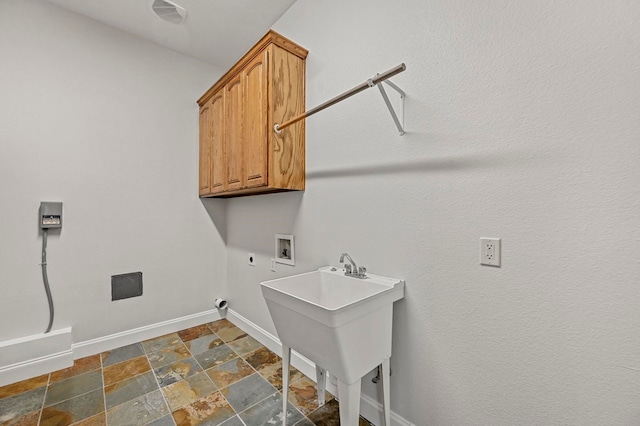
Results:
x,y
376,379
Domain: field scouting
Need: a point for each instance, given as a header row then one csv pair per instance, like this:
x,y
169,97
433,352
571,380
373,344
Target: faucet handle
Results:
x,y
362,271
347,268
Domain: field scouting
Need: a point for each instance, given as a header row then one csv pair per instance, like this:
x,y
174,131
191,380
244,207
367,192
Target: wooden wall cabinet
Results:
x,y
240,154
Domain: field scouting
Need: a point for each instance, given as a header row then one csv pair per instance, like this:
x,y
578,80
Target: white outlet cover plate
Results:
x,y
251,258
490,251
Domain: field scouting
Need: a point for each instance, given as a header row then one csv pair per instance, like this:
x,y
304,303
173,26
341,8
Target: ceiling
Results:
x,y
215,31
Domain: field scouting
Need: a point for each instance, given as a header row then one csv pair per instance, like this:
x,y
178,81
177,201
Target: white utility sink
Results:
x,y
341,323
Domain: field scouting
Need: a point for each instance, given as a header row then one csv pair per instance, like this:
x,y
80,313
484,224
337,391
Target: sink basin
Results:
x,y
341,323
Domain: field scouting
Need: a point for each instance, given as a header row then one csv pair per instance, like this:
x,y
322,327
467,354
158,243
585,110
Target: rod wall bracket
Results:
x,y
399,123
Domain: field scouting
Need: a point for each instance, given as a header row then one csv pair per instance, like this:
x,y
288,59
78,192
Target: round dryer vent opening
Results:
x,y
169,11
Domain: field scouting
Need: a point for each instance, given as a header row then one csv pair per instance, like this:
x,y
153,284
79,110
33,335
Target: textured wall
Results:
x,y
522,122
106,123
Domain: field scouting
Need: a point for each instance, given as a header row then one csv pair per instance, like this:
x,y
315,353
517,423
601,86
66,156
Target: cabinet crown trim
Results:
x,y
271,37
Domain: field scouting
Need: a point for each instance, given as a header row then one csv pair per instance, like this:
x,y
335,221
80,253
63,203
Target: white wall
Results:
x,y
523,121
108,124
523,124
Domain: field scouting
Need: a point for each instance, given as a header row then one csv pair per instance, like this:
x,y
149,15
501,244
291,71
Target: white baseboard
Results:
x,y
31,356
370,409
128,337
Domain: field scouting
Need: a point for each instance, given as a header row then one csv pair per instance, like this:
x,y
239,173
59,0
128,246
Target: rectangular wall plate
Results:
x,y
490,253
124,286
285,250
50,214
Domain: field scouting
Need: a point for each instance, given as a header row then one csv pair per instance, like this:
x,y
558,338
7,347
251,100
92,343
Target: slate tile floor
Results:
x,y
212,374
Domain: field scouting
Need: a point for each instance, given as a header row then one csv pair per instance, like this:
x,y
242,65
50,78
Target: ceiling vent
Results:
x,y
169,11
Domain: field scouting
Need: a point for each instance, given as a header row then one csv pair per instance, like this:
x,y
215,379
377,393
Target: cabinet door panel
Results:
x,y
205,150
216,128
254,79
287,164
233,141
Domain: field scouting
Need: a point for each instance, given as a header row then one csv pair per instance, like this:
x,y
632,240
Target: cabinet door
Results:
x,y
254,79
205,150
287,90
218,170
233,141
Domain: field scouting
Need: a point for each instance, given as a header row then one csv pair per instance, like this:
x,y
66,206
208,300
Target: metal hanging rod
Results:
x,y
378,78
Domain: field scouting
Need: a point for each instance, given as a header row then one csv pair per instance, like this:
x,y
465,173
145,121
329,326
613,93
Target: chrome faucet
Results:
x,y
352,270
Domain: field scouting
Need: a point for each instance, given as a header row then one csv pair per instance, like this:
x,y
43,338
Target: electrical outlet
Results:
x,y
490,251
273,264
251,257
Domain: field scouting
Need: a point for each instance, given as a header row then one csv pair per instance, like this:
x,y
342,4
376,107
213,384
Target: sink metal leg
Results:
x,y
386,391
286,360
349,399
321,380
